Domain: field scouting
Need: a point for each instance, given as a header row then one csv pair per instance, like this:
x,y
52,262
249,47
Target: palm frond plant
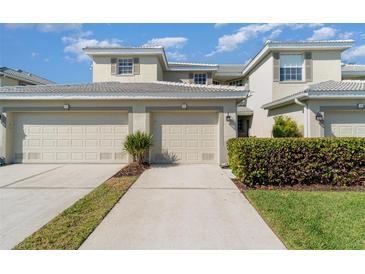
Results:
x,y
137,144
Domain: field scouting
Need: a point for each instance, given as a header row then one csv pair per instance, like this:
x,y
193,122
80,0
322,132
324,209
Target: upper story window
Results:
x,y
125,66
291,67
200,78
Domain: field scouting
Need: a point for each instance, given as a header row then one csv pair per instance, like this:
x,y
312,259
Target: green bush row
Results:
x,y
290,161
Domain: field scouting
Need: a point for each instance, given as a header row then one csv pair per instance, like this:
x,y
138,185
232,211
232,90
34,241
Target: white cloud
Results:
x,y
323,33
231,41
353,53
34,54
274,34
74,45
346,35
220,25
167,42
46,27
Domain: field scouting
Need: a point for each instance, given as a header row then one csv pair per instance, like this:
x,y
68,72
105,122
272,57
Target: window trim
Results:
x,y
303,68
206,78
125,74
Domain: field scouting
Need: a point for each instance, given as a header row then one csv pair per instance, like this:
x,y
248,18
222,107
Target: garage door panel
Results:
x,y
70,137
185,137
345,124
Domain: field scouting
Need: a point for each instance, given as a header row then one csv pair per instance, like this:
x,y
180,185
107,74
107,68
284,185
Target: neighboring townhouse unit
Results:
x,y
12,77
191,109
353,72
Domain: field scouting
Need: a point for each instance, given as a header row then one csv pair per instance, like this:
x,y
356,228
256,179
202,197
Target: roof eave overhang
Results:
x,y
115,96
315,96
193,69
128,51
268,47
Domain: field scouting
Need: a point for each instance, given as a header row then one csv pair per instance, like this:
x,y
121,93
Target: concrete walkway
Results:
x,y
32,194
183,207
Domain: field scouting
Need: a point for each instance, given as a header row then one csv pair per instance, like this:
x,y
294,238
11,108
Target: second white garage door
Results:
x,y
70,137
345,123
185,137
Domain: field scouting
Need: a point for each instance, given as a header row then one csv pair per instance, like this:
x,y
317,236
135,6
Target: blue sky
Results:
x,y
54,50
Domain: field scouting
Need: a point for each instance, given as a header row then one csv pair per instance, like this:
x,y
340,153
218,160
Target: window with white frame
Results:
x,y
200,78
125,66
291,67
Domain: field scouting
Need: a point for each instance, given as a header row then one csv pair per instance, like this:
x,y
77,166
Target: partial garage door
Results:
x,y
185,137
72,137
345,124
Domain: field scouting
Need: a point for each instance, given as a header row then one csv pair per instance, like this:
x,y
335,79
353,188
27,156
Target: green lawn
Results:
x,y
313,220
71,228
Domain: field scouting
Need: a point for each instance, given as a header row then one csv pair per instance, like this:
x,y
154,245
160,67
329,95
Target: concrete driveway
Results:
x,y
183,207
32,194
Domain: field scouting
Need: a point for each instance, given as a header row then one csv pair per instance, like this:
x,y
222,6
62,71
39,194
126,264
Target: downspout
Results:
x,y
305,106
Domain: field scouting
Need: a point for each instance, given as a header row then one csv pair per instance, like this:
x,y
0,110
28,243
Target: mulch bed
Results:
x,y
300,187
132,169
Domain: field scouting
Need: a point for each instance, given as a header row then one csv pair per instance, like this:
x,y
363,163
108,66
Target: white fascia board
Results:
x,y
284,101
193,68
114,96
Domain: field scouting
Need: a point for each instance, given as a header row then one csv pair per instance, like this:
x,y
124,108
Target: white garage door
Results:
x,y
345,124
72,137
185,137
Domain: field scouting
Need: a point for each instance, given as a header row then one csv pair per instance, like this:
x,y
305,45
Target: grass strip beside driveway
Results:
x,y
313,219
71,228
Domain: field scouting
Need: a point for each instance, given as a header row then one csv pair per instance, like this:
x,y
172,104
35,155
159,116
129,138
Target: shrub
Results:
x,y
285,127
137,144
290,161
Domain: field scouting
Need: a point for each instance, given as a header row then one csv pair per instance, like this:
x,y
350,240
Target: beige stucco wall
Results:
x,y
260,85
6,81
176,76
149,70
139,118
316,129
326,66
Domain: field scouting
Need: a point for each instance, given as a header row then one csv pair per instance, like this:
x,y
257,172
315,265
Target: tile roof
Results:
x,y
346,88
346,85
163,90
24,76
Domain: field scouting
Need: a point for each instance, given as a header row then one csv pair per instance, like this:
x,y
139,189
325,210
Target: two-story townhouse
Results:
x,y
191,120
191,109
18,77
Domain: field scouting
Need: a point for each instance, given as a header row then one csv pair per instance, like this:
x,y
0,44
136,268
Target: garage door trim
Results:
x,y
174,108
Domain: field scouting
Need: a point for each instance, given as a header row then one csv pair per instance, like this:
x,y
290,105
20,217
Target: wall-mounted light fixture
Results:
x,y
66,107
360,106
228,118
319,117
184,106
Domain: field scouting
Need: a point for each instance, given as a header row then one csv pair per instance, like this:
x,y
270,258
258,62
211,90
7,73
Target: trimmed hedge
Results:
x,y
290,161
